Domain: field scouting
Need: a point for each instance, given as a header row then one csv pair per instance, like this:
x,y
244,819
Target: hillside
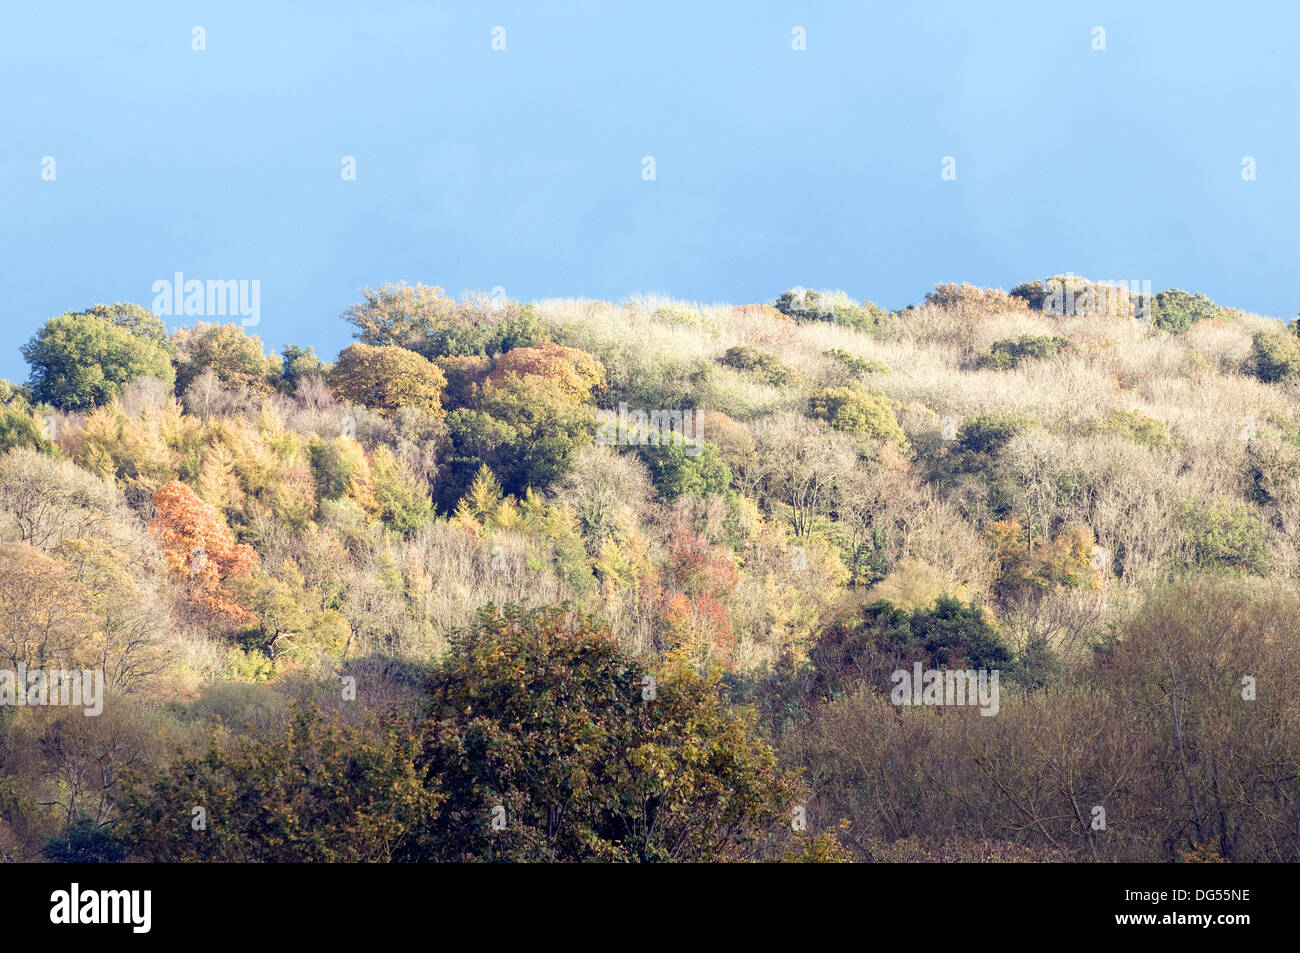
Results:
x,y
570,558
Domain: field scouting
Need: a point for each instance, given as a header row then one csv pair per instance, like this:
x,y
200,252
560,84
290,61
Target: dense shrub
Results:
x,y
987,299
989,433
858,365
1227,536
676,468
1275,356
862,651
1175,311
863,413
1011,352
835,308
766,367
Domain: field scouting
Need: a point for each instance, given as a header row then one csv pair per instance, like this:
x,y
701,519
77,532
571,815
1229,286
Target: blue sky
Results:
x,y
522,168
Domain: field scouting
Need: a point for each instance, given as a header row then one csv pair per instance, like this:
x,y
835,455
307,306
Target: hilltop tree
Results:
x,y
388,378
235,357
82,360
575,373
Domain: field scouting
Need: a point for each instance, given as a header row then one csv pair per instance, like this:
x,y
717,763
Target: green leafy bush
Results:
x,y
989,433
767,367
864,413
861,651
833,308
1011,352
676,468
1274,356
1175,310
1227,536
858,365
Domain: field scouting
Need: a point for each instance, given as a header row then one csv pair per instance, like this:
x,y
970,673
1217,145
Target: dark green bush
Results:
x,y
1011,352
767,367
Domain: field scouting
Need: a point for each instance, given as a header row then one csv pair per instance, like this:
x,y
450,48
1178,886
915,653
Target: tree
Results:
x,y
677,469
235,357
388,378
575,373
297,363
579,751
201,549
429,322
864,413
525,429
317,790
42,619
861,651
82,360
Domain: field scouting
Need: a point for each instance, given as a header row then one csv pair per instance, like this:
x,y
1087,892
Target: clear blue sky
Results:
x,y
522,168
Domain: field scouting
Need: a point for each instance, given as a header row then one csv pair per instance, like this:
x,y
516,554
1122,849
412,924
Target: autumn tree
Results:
x,y
388,378
234,356
580,751
200,548
575,373
429,322
317,790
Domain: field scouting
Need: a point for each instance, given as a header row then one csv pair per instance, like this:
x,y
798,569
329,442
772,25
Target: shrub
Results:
x,y
1227,536
989,433
864,413
1137,426
863,650
835,308
767,367
1011,352
1175,311
316,790
858,365
1275,356
676,468
993,300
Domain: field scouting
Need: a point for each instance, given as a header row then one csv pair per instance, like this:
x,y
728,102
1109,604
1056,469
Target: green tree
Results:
x,y
864,413
82,360
316,790
236,358
580,751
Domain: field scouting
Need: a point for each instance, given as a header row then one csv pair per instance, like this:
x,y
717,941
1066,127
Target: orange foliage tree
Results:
x,y
198,546
576,373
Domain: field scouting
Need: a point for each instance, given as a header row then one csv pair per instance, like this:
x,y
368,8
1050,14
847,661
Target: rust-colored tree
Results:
x,y
199,547
575,372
